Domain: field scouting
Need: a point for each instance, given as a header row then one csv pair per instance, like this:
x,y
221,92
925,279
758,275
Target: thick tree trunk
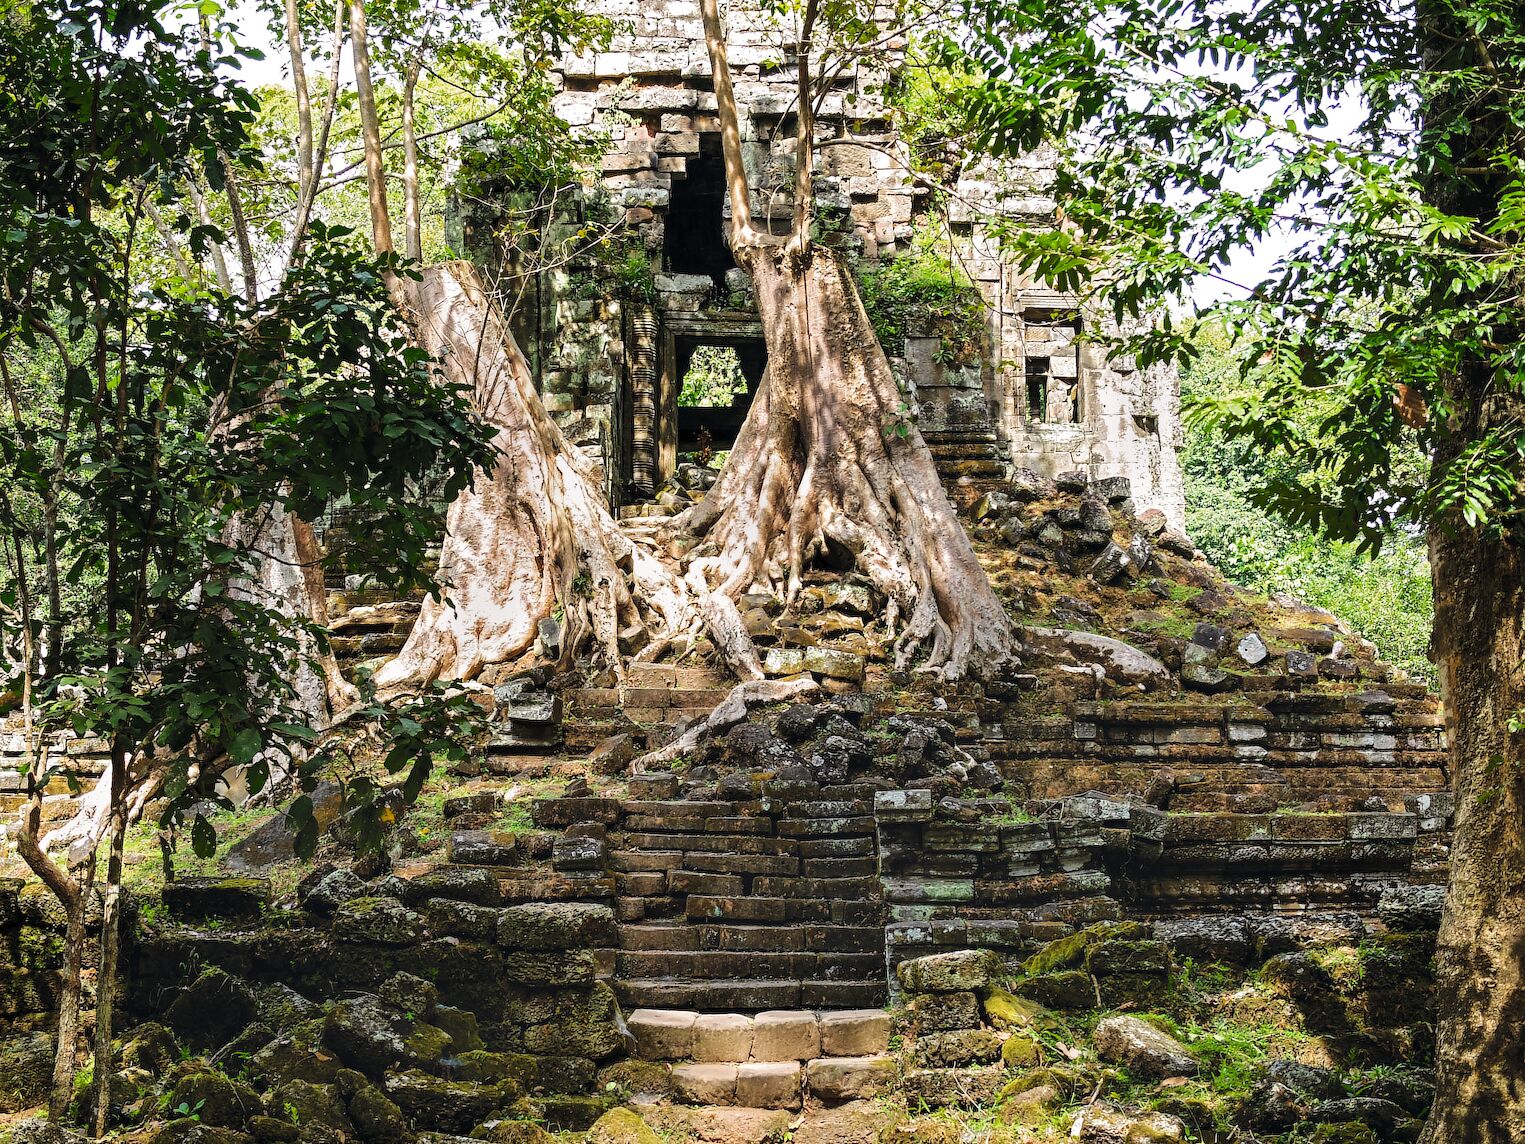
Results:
x,y
821,468
533,535
1478,643
1479,606
826,462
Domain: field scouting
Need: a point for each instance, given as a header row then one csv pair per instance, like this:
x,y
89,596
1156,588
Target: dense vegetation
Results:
x,y
1385,594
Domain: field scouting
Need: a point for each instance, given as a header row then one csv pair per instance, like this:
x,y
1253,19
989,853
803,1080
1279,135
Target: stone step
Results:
x,y
957,467
708,964
773,1036
749,994
818,938
963,448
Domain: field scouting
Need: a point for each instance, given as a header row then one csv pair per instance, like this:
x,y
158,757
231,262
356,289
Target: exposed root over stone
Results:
x,y
827,468
727,713
533,538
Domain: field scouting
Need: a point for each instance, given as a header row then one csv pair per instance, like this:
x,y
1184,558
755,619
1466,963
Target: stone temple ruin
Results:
x,y
1032,393
893,897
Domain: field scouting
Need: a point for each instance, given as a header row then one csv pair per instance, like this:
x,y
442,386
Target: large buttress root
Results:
x,y
533,535
826,461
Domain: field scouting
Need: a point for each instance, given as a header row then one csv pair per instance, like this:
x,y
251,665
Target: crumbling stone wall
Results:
x,y
605,370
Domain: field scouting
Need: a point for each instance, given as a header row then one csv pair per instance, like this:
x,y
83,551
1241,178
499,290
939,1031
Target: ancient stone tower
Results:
x,y
613,336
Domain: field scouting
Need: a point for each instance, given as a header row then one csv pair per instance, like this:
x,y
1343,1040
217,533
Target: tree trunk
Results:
x,y
532,536
306,174
1478,644
412,209
290,579
826,462
320,157
1480,986
106,975
71,895
370,130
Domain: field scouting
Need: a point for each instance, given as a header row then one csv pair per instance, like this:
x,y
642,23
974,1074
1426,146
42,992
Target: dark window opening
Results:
x,y
1037,389
716,381
693,238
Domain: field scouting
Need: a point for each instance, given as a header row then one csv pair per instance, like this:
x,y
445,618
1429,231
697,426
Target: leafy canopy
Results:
x,y
1382,148
174,415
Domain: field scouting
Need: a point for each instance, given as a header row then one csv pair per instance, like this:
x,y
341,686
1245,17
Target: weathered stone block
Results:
x,y
938,1012
1144,1049
663,1034
557,925
967,969
855,1033
785,1035
706,1083
957,1048
850,1078
722,1037
769,1084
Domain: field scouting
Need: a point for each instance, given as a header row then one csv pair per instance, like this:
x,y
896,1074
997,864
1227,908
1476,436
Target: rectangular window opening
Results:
x,y
1037,389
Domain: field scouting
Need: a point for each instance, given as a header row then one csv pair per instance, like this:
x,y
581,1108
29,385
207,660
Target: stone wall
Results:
x,y
605,352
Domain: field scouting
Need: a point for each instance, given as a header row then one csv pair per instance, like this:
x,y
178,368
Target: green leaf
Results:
x,y
203,838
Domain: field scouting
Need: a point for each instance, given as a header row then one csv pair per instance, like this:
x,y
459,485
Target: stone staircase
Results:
x,y
973,453
749,904
369,625
77,762
773,1060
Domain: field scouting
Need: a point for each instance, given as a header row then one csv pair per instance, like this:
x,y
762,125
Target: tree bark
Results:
x,y
1478,643
827,462
290,579
306,175
531,536
370,130
71,896
106,975
320,158
412,210
1480,959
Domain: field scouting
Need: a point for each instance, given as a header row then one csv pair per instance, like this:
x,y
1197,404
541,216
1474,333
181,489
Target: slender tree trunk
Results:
x,y
804,137
370,130
305,170
110,945
241,231
412,211
320,160
71,896
219,262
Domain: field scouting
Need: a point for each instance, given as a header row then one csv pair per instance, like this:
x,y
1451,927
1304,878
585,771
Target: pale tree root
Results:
x,y
728,713
533,538
828,465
